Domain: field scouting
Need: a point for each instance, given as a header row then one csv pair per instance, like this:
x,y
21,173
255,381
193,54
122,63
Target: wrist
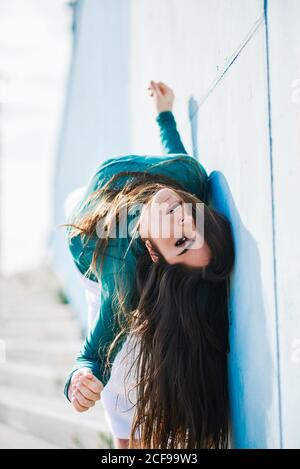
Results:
x,y
70,392
166,110
70,382
165,118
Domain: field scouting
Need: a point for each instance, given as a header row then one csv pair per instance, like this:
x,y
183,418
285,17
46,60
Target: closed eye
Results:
x,y
178,203
182,252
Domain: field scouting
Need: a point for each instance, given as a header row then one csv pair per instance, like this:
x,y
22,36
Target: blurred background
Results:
x,y
39,334
73,92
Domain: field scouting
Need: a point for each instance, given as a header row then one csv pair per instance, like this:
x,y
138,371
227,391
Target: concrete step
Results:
x,y
40,340
33,294
34,308
42,330
60,354
14,439
37,280
54,420
34,311
41,379
46,320
27,292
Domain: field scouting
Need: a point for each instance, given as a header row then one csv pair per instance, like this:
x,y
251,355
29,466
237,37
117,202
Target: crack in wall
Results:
x,y
229,63
273,223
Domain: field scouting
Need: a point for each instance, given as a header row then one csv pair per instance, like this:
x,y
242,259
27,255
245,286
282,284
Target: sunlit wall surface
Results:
x,y
234,67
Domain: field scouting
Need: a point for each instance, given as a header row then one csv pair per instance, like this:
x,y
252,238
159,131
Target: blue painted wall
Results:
x,y
234,66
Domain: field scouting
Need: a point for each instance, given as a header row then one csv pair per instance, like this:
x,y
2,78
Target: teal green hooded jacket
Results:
x,y
121,258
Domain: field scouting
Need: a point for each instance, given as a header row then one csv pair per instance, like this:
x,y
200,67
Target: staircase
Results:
x,y
39,341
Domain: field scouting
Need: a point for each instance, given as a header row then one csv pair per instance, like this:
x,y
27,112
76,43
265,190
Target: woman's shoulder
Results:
x,y
120,255
122,281
154,163
120,160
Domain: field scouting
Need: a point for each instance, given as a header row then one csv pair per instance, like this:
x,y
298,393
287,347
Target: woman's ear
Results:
x,y
152,253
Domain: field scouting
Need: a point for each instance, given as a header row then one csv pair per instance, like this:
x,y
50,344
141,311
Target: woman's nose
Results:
x,y
185,222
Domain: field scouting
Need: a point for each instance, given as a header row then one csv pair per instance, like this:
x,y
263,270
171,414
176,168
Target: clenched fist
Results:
x,y
84,389
163,96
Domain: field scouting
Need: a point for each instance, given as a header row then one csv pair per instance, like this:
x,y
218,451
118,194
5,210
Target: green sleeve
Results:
x,y
94,351
170,138
82,253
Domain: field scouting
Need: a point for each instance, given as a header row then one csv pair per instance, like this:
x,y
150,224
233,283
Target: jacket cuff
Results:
x,y
165,117
67,384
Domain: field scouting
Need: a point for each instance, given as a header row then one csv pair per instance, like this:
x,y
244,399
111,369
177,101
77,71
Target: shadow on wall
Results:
x,y
193,118
250,388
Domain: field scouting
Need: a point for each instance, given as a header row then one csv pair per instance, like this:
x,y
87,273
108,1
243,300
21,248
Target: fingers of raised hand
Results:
x,y
151,88
165,89
154,89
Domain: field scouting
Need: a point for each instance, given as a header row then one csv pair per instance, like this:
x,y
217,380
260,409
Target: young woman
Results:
x,y
156,352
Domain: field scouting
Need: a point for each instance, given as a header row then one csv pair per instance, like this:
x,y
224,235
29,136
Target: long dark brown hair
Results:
x,y
179,315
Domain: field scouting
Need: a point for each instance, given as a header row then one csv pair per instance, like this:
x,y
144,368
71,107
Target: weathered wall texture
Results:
x,y
232,65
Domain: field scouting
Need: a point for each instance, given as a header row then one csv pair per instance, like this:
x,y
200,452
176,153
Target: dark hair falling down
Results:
x,y
179,315
181,323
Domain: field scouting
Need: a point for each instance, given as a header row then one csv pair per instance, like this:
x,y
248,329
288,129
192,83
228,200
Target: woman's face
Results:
x,y
167,223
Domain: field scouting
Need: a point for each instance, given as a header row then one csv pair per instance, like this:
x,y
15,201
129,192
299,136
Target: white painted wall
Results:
x,y
284,46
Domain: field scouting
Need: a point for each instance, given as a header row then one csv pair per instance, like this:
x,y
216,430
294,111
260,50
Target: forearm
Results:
x,y
169,135
94,351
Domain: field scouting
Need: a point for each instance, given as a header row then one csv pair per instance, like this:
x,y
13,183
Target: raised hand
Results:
x,y
163,96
